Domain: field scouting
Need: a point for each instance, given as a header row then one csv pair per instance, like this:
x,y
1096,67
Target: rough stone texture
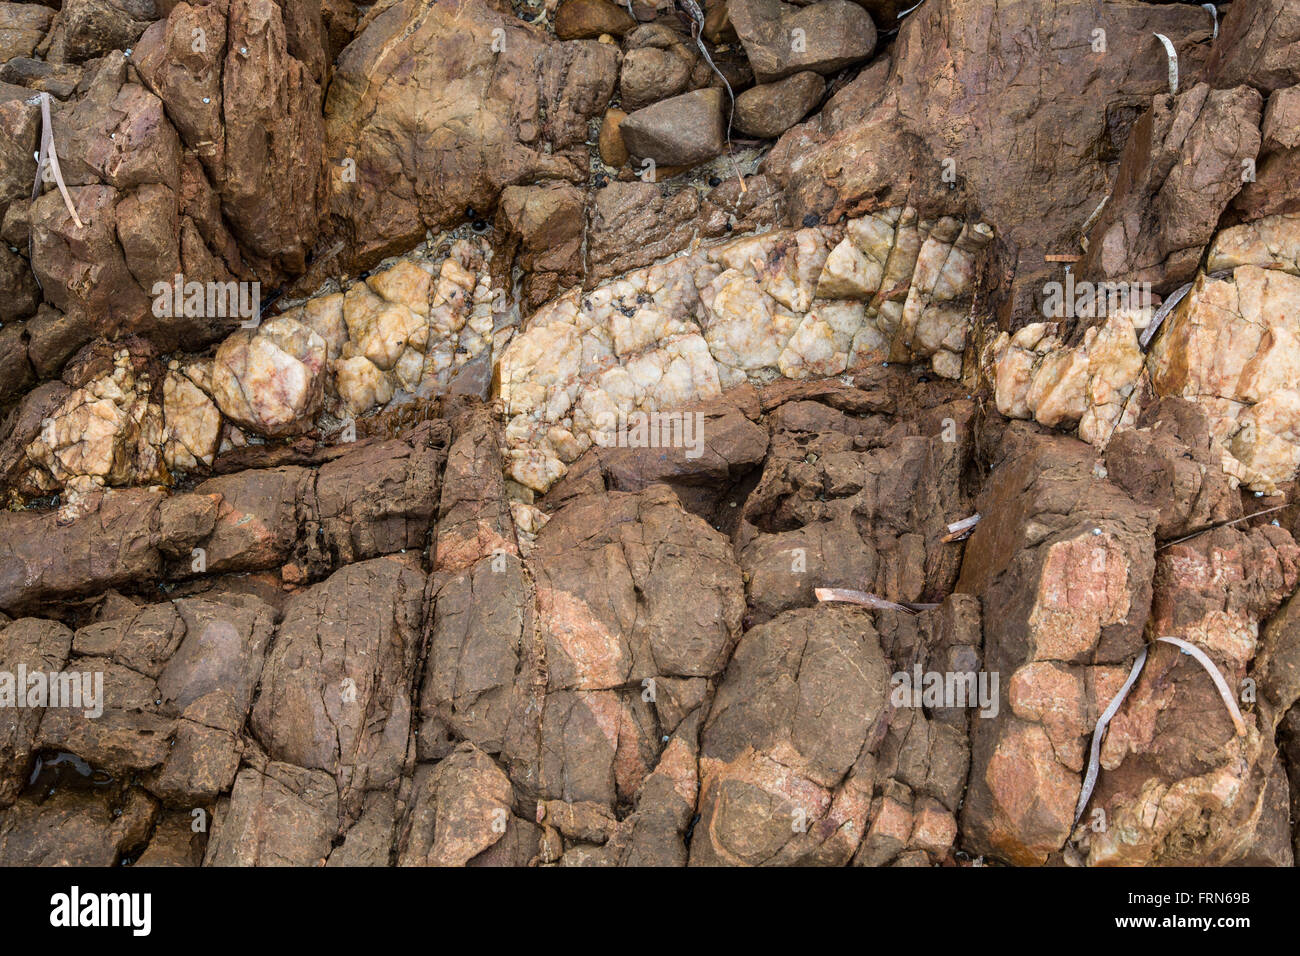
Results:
x,y
957,91
588,19
178,684
1183,163
376,500
545,226
679,131
1162,805
659,63
769,110
84,29
22,27
499,534
491,121
1257,46
1227,348
1088,385
1068,560
781,38
745,311
280,816
336,696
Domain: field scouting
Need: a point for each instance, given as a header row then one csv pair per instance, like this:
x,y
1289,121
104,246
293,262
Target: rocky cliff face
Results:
x,y
450,432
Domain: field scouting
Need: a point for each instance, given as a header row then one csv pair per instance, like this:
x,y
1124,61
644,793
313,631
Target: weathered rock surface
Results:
x,y
589,19
957,104
679,131
1186,158
782,38
804,304
768,110
492,122
435,438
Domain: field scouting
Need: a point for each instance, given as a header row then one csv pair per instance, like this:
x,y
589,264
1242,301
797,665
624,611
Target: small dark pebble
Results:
x,y
715,182
479,225
729,227
471,212
601,181
810,220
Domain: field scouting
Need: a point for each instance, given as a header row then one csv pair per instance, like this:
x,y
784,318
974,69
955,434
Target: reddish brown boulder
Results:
x,y
589,19
337,686
492,123
939,133
1185,160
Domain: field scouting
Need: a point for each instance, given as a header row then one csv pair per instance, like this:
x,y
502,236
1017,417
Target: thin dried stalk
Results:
x,y
1222,524
961,529
1094,754
1173,63
849,596
1212,669
1090,222
50,154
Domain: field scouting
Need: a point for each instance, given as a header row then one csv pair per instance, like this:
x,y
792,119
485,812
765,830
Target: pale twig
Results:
x,y
1222,524
849,596
1094,754
1090,222
959,530
1173,63
50,154
1224,690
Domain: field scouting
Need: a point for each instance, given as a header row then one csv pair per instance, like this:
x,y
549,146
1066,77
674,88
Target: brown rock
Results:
x,y
336,690
890,140
768,110
490,123
782,39
544,227
1255,45
633,224
20,122
1182,166
22,27
588,19
659,63
15,370
459,809
75,828
84,29
1072,583
717,22
1171,462
281,815
678,131
178,684
780,774
37,646
174,842
612,151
